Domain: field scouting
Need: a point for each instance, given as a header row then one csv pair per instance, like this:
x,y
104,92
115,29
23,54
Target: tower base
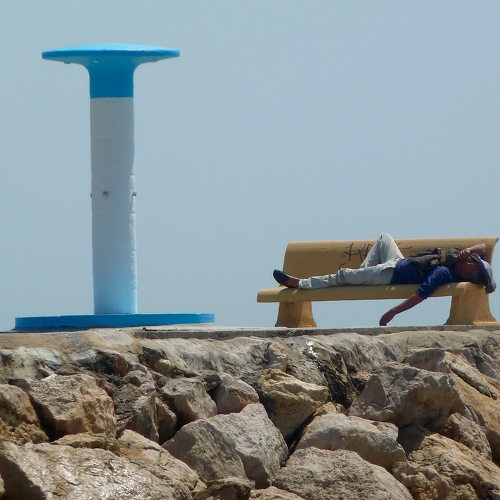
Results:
x,y
110,321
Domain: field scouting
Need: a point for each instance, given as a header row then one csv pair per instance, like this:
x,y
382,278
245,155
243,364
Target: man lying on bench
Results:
x,y
386,265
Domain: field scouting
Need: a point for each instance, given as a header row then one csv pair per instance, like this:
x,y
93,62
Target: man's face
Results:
x,y
468,269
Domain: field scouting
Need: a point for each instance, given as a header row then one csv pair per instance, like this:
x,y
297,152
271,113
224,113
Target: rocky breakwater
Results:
x,y
215,414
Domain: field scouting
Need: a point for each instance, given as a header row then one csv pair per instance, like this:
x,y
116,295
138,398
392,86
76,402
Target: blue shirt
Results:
x,y
406,273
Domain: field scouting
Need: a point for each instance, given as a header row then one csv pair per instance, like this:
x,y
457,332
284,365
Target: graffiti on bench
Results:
x,y
354,254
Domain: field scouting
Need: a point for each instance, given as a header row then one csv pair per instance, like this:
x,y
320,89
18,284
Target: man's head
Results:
x,y
476,270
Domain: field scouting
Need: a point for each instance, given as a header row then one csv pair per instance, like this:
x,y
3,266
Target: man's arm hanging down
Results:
x,y
404,306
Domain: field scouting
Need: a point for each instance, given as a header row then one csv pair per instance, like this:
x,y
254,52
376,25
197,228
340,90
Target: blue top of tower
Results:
x,y
110,65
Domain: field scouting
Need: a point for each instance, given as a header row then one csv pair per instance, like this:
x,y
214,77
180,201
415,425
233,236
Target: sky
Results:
x,y
282,120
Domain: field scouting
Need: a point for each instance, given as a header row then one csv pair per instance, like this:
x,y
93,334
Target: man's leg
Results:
x,y
383,250
380,274
376,269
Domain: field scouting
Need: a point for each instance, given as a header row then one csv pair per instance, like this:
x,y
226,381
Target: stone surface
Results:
x,y
442,468
289,401
232,395
315,474
44,471
226,489
87,440
71,404
144,453
136,409
189,398
244,445
406,396
273,493
433,391
465,431
18,420
340,432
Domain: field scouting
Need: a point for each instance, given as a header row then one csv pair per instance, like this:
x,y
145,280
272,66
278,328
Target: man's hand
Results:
x,y
480,249
387,318
410,302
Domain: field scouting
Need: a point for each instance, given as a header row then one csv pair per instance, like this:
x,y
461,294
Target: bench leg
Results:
x,y
296,315
473,308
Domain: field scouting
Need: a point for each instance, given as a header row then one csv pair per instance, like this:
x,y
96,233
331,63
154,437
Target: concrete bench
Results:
x,y
469,303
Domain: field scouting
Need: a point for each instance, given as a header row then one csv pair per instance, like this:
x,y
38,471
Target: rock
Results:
x,y
241,357
479,394
145,453
273,493
469,433
481,410
442,468
331,364
328,408
71,404
44,471
167,421
189,398
205,448
340,432
135,409
91,441
315,474
439,360
244,445
276,358
289,401
18,420
232,395
28,362
453,388
407,396
137,377
226,489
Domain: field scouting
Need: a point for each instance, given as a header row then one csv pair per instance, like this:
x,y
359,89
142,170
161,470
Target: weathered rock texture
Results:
x,y
212,415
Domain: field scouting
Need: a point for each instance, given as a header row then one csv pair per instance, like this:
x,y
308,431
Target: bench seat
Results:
x,y
376,292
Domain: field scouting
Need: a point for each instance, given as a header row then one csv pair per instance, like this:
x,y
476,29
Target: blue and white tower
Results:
x,y
111,68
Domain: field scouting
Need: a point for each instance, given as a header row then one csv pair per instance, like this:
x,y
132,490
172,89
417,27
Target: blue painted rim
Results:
x,y
111,320
110,65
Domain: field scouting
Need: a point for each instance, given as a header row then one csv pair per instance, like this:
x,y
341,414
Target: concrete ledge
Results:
x,y
217,332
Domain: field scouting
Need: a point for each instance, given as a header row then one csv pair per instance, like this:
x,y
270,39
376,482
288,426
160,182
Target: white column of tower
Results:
x,y
113,205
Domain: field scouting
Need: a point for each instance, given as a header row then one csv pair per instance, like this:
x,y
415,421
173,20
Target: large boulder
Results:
x,y
144,453
135,408
273,493
189,398
290,402
442,468
407,396
478,393
467,432
373,441
231,394
18,420
45,471
23,361
244,445
167,421
68,404
315,474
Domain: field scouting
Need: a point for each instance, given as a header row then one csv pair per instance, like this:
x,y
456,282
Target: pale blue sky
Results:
x,y
281,121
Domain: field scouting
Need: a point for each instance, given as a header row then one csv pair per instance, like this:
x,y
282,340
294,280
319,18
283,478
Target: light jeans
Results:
x,y
376,269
